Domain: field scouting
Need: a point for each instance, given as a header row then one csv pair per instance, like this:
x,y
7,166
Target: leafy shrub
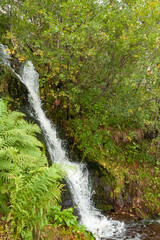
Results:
x,y
63,217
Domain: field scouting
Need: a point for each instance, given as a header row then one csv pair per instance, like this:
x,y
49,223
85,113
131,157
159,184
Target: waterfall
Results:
x,y
77,173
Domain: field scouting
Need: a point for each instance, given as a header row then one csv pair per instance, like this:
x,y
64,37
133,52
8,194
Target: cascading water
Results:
x,y
91,218
77,173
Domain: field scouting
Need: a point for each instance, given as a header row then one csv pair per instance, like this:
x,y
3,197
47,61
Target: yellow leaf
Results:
x,y
130,111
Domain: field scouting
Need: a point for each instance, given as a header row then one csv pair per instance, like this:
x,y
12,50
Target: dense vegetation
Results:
x,y
30,191
99,68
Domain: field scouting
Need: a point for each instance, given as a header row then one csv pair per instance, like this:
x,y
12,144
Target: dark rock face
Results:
x,y
67,200
103,184
11,86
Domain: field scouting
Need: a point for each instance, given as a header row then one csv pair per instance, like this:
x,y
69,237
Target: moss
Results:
x,y
12,89
107,207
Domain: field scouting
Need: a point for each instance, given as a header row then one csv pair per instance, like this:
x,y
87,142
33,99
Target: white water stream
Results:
x,y
91,218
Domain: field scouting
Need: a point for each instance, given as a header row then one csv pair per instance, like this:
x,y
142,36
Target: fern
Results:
x,y
6,166
3,206
3,108
40,189
30,186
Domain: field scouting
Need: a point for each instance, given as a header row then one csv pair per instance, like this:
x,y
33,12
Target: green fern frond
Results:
x,y
32,152
40,189
3,108
21,142
3,206
29,140
7,142
31,128
8,154
15,131
31,187
4,176
1,141
6,166
16,117
44,182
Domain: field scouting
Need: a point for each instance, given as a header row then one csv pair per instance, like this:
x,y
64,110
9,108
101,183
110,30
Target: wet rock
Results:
x,y
103,184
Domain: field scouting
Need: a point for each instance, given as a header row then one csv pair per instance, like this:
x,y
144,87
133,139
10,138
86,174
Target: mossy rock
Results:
x,y
103,184
11,88
107,207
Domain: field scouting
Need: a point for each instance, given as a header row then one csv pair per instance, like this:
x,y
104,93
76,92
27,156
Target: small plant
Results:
x,y
63,217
